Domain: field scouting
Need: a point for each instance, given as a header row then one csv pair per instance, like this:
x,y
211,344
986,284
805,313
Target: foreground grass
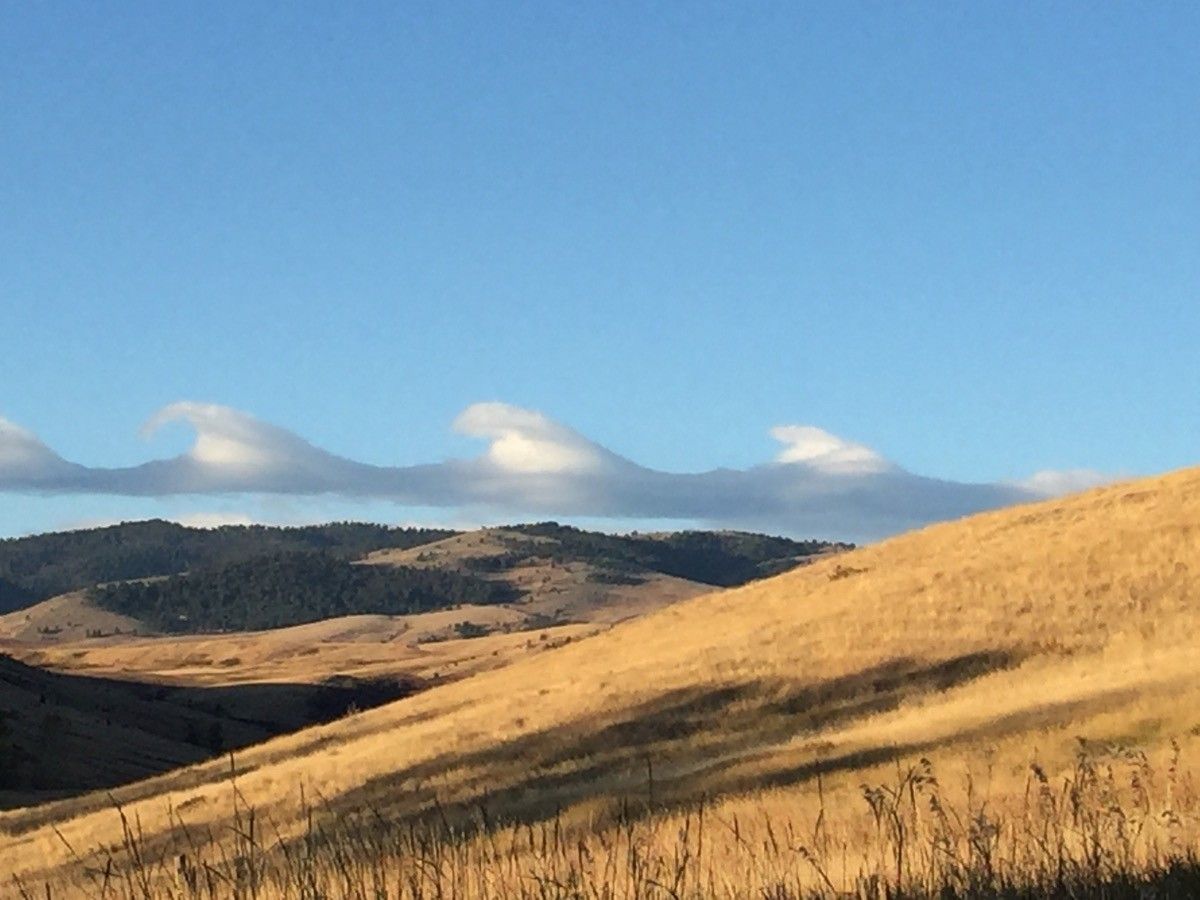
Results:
x,y
1115,825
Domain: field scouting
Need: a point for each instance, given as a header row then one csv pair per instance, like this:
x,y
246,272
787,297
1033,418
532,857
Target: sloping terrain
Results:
x,y
429,647
62,734
69,617
1011,634
554,586
151,704
282,589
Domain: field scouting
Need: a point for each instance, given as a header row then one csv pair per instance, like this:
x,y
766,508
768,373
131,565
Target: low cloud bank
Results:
x,y
818,484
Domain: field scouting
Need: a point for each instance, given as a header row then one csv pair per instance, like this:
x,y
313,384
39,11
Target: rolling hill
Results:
x,y
1008,636
281,589
155,577
298,623
46,565
63,734
430,647
66,618
85,714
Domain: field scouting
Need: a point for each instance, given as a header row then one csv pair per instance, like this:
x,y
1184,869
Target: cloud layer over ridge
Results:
x,y
818,484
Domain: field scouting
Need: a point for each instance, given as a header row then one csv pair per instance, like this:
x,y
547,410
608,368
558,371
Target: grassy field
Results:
x,y
424,646
984,645
1113,826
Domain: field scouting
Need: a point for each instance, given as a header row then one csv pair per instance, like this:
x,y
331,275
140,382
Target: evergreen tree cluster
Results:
x,y
291,588
10,754
36,568
13,596
720,558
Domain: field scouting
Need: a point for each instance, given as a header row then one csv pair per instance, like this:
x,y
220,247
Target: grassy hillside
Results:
x,y
982,644
145,705
63,734
70,617
426,648
553,588
153,630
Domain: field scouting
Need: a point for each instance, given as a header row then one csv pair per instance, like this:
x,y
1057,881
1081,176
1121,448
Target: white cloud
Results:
x,y
212,519
526,442
224,438
235,448
825,451
819,484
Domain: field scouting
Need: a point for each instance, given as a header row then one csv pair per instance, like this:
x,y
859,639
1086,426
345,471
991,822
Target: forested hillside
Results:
x,y
42,566
178,579
721,558
13,596
292,588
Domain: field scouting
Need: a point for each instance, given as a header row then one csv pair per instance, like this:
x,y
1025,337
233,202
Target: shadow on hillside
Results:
x,y
681,744
66,734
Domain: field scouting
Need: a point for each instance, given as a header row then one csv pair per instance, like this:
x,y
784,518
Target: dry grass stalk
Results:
x,y
1114,825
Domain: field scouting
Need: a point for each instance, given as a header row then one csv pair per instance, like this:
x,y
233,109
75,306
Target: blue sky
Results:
x,y
962,235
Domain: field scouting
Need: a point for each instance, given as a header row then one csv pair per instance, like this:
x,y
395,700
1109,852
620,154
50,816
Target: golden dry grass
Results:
x,y
1007,634
364,647
560,590
69,617
1115,825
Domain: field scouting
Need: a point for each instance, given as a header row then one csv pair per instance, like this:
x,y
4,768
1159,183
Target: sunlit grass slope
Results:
x,y
65,618
1011,633
424,646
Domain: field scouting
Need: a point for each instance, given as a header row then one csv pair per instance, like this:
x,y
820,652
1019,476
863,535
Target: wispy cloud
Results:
x,y
818,483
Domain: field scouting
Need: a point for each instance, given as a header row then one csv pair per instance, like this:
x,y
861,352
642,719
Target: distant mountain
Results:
x,y
46,565
170,578
720,558
566,574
